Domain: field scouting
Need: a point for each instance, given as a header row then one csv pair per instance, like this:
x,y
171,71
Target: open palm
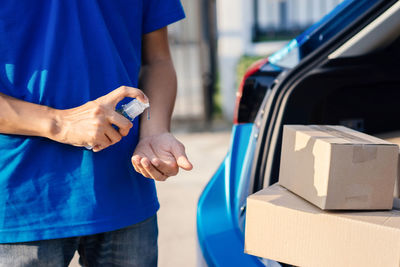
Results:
x,y
160,156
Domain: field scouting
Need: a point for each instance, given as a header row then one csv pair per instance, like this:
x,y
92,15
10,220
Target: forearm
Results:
x,y
158,80
90,124
24,118
158,154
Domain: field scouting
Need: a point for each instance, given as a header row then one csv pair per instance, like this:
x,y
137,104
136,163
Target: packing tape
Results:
x,y
332,131
363,153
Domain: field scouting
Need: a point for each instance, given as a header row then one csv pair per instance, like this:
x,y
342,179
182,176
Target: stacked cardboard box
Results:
x,y
284,227
393,137
325,172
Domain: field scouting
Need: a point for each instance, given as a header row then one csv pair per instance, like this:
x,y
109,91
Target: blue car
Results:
x,y
343,70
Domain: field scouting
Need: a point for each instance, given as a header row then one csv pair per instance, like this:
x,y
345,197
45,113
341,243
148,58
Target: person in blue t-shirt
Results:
x,y
66,66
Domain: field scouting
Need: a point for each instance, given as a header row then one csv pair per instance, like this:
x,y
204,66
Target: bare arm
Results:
x,y
158,80
158,154
24,118
86,125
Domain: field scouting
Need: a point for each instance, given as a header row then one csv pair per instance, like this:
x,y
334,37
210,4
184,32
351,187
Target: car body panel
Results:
x,y
217,214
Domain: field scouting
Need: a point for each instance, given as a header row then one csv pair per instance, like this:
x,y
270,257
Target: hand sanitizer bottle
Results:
x,y
134,109
131,111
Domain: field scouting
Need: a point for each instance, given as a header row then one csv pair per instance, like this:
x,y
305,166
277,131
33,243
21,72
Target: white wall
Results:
x,y
235,19
232,38
300,12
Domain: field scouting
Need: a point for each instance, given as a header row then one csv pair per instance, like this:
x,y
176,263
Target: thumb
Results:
x,y
181,157
115,96
184,163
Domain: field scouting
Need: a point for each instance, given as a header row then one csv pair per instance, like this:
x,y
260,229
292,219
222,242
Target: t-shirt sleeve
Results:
x,y
160,13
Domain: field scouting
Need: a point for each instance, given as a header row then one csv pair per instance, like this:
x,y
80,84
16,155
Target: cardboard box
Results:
x,y
284,227
337,168
393,137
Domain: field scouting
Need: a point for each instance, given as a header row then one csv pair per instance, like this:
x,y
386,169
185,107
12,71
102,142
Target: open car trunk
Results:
x,y
361,92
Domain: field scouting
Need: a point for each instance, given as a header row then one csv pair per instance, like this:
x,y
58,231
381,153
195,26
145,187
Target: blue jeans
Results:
x,y
135,245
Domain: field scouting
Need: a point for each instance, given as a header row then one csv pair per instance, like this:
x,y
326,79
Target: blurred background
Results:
x,y
214,45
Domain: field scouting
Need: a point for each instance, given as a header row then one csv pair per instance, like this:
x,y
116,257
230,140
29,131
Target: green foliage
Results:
x,y
244,63
217,108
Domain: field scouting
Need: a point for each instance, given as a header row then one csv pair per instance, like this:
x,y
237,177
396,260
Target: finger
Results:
x,y
143,172
100,143
150,169
169,168
97,148
123,124
134,166
184,163
112,134
138,166
125,91
135,161
180,155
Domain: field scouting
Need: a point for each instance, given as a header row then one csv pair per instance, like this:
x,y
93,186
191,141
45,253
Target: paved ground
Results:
x,y
178,198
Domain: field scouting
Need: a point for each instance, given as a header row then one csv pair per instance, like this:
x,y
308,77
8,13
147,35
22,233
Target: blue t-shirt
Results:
x,y
63,53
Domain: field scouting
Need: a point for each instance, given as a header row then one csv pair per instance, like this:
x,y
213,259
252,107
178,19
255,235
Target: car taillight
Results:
x,y
250,71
